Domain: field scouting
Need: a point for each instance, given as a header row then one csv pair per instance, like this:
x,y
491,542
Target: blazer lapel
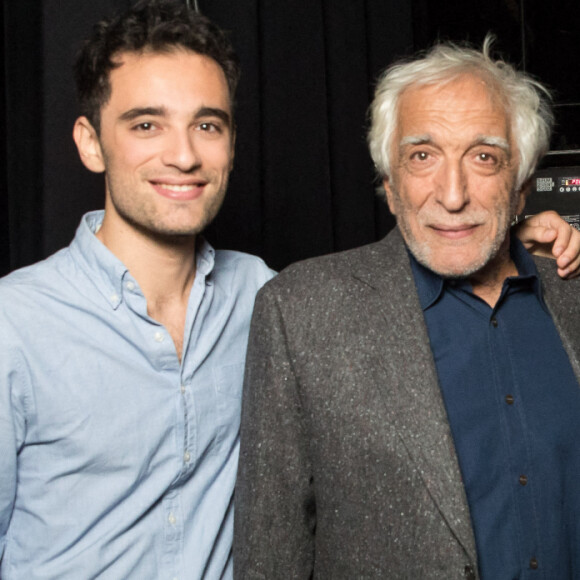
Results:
x,y
563,302
410,387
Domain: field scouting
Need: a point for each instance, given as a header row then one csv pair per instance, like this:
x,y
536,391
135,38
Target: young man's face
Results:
x,y
165,142
453,178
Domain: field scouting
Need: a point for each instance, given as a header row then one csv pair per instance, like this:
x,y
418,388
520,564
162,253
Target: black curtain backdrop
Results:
x,y
302,183
21,131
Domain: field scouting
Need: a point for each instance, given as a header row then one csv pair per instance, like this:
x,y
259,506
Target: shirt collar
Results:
x,y
106,271
527,271
205,257
522,259
430,285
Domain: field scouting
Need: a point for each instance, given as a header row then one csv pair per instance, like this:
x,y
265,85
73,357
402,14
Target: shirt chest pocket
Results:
x,y
229,379
228,382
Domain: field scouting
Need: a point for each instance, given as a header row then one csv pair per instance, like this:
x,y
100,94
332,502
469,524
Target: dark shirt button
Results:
x,y
533,564
494,322
469,573
509,399
523,479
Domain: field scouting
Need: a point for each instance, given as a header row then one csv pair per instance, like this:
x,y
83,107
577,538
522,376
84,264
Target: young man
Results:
x,y
122,355
411,407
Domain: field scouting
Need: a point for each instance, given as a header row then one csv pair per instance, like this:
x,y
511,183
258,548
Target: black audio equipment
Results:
x,y
556,186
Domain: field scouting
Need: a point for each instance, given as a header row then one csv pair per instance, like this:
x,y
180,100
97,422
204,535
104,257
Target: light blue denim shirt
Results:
x,y
116,461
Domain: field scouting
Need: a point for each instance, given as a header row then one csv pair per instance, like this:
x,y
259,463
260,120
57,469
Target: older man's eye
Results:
x,y
420,156
487,158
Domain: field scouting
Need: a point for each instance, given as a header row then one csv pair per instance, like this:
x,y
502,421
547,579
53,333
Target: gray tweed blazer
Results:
x,y
347,466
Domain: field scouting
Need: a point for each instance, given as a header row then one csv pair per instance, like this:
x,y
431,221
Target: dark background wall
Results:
x,y
303,182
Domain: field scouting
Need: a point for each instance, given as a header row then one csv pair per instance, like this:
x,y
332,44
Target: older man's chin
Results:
x,y
454,265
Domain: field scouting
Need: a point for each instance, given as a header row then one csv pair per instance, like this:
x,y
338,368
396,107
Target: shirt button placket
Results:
x,y
173,533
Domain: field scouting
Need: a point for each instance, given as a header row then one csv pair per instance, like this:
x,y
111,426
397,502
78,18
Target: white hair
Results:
x,y
526,100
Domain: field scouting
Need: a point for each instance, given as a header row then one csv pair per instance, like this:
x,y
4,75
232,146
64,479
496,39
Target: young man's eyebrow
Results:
x,y
136,112
132,114
213,112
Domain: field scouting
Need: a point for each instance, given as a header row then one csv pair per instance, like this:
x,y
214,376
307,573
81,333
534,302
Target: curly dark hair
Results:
x,y
150,25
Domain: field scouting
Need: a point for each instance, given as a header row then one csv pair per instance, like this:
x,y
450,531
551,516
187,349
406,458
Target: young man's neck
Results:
x,y
163,267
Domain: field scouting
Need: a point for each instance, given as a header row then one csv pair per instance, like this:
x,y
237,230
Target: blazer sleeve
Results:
x,y
275,506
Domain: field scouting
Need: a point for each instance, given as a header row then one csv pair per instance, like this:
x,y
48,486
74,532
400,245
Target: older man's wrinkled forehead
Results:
x,y
466,99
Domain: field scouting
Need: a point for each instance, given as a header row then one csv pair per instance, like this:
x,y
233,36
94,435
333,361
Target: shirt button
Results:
x,y
523,480
533,564
509,399
130,285
186,457
159,337
182,389
171,519
494,322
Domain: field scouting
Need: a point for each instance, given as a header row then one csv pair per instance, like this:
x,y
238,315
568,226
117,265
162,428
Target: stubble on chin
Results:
x,y
426,254
174,222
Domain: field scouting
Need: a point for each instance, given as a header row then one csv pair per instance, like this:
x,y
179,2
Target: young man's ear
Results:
x,y
88,145
233,147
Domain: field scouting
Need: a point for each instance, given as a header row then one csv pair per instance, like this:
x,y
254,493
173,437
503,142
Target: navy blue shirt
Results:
x,y
514,408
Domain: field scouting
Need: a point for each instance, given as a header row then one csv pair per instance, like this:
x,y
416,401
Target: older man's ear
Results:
x,y
389,195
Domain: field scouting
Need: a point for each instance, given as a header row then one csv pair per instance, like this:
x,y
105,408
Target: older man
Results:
x,y
411,407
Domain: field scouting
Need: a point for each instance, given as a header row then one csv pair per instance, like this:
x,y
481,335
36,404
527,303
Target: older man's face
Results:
x,y
453,178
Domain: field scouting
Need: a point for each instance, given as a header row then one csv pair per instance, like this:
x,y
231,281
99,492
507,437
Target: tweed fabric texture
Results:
x,y
348,467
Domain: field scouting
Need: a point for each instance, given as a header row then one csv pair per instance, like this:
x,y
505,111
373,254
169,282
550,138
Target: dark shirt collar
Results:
x,y
430,285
